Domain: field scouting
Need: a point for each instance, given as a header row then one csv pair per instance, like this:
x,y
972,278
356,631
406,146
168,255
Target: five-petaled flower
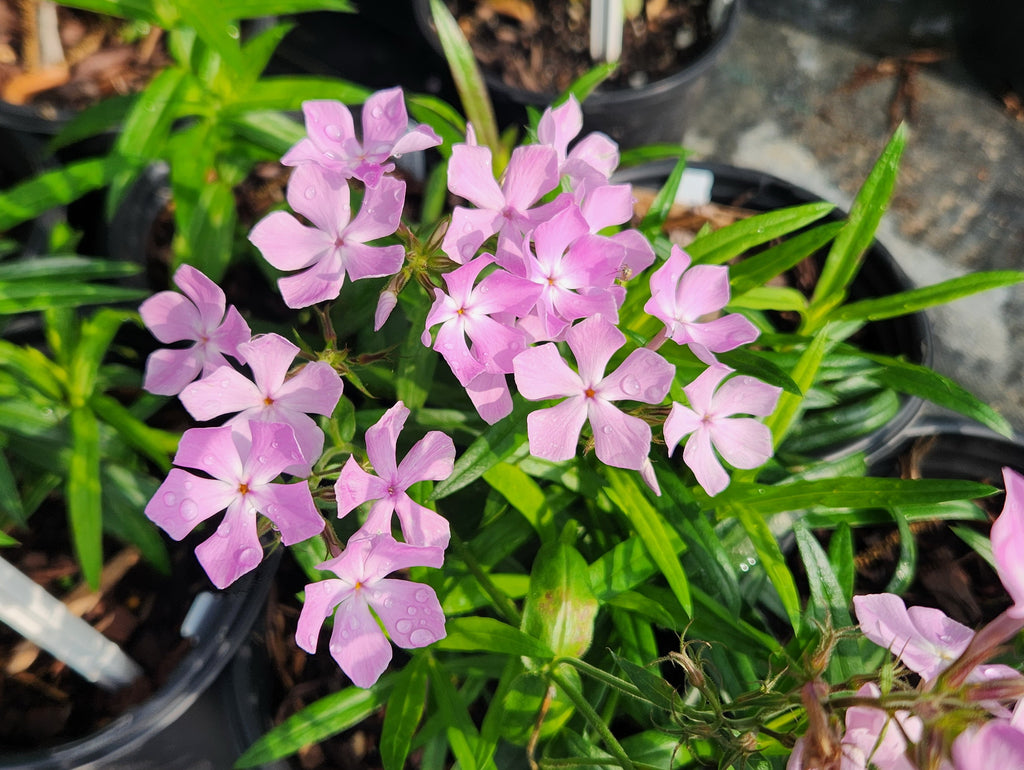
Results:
x,y
711,424
241,481
410,612
273,397
198,316
620,439
431,458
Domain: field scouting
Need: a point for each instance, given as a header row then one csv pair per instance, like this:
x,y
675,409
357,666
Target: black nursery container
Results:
x,y
907,336
656,112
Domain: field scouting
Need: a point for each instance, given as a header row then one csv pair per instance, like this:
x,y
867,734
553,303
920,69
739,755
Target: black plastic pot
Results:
x,y
179,726
656,112
907,336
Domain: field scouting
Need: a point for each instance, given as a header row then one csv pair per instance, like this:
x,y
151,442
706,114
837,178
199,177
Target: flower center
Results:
x,y
268,401
243,489
589,393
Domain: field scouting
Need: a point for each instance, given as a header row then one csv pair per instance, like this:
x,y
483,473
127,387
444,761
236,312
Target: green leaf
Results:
x,y
104,116
756,270
31,296
481,634
288,92
656,215
84,494
906,302
660,541
211,230
462,733
841,558
848,249
254,9
215,28
525,495
158,445
920,381
781,420
828,601
403,714
416,364
906,566
560,607
440,116
257,52
11,506
270,130
496,444
126,492
841,423
586,83
97,332
526,695
320,720
854,492
50,189
749,362
7,541
65,268
781,298
719,246
652,685
773,562
469,83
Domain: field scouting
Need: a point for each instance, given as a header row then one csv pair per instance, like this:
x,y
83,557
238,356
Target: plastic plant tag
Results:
x,y
695,187
45,621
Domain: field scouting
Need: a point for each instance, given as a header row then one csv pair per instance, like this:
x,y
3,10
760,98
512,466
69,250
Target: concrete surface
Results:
x,y
780,101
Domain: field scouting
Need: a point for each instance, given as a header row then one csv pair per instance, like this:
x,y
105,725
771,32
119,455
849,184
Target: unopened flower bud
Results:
x,y
387,302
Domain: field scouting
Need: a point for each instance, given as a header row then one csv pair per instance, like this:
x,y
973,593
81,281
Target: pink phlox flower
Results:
x,y
995,745
272,397
199,316
331,140
490,395
465,313
620,440
337,244
410,612
923,638
681,296
241,484
509,208
712,426
431,458
575,272
1008,541
592,159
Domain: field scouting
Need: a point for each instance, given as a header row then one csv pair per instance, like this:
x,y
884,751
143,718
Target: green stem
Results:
x,y
501,602
583,706
603,676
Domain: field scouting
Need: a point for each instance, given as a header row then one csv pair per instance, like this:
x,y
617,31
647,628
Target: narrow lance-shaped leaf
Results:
x,y
84,493
662,204
719,246
403,714
848,249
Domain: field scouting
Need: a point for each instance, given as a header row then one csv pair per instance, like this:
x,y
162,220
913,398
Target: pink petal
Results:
x,y
321,196
421,137
384,555
559,125
382,438
384,117
287,244
431,458
307,434
495,344
207,296
679,424
470,176
639,254
490,395
386,303
718,335
742,441
314,389
273,448
451,344
409,611
701,392
270,356
1008,541
234,549
320,600
745,395
700,458
532,172
664,281
170,317
996,745
357,643
328,123
593,153
183,500
212,450
593,342
593,261
362,261
234,331
541,373
702,289
303,151
223,392
643,376
468,230
553,238
620,440
554,432
380,213
502,292
169,371
608,205
420,525
320,283
291,508
355,486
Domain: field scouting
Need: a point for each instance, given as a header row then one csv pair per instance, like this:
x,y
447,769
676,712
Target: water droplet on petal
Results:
x,y
403,626
188,485
170,498
607,429
388,602
250,556
411,610
310,193
274,444
422,595
421,637
377,112
189,510
332,131
631,385
261,459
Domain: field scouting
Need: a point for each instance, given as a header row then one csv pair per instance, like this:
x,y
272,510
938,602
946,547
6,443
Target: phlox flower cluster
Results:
x,y
944,654
539,264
